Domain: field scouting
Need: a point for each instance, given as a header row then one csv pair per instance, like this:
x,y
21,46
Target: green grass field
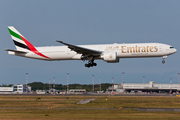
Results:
x,y
23,107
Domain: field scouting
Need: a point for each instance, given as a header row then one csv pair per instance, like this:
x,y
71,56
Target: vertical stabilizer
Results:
x,y
18,39
22,44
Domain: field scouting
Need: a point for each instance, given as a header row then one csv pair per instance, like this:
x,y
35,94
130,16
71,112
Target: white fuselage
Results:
x,y
134,50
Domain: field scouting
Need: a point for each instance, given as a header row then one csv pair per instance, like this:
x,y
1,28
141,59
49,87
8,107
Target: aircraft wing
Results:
x,y
82,50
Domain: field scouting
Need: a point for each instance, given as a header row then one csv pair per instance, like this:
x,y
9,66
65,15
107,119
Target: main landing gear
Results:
x,y
91,62
163,61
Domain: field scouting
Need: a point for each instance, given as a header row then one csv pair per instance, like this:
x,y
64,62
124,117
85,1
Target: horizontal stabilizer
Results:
x,y
16,51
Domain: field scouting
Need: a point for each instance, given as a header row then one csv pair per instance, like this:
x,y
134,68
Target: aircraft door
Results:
x,y
160,48
68,51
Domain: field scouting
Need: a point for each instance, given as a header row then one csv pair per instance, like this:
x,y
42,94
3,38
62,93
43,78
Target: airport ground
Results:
x,y
59,107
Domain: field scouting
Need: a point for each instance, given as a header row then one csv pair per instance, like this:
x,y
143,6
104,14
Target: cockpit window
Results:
x,y
171,47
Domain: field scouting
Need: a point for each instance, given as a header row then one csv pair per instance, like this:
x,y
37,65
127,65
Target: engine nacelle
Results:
x,y
110,57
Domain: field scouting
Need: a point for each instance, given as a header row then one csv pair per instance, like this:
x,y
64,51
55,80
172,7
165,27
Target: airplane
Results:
x,y
111,53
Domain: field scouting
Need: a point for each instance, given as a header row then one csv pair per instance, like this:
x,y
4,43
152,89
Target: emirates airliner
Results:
x,y
110,53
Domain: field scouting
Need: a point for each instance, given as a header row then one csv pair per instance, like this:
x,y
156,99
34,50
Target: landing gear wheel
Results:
x,y
87,65
94,64
163,61
90,64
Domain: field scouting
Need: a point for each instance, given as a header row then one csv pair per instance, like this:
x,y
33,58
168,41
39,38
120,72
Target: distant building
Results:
x,y
77,91
100,91
15,89
7,90
21,89
61,92
151,87
115,88
41,92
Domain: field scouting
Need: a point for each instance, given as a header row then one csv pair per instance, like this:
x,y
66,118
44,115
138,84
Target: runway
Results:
x,y
121,108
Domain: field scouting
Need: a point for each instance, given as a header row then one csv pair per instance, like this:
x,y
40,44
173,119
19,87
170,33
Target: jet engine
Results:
x,y
110,57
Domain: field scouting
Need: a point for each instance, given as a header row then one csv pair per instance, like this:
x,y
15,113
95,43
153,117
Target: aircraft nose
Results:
x,y
175,50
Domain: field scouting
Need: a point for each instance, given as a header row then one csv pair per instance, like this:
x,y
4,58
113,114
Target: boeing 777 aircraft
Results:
x,y
110,53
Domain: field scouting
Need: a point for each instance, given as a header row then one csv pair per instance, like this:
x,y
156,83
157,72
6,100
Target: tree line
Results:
x,y
45,86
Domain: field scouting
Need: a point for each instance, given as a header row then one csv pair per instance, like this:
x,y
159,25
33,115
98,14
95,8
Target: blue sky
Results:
x,y
81,22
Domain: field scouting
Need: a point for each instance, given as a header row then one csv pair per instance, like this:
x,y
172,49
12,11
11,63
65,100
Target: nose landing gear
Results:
x,y
163,61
